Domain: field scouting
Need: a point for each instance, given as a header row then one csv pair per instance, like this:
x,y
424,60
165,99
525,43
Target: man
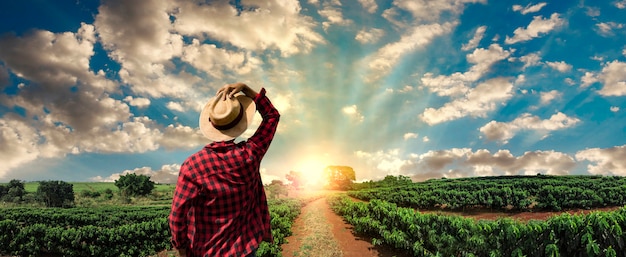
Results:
x,y
219,206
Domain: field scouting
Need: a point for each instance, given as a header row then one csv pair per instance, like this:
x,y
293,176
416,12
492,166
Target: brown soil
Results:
x,y
350,244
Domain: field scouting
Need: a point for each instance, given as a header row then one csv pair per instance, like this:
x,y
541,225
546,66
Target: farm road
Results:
x,y
319,232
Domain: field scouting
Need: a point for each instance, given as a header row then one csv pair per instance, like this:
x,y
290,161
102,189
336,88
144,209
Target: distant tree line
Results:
x,y
61,194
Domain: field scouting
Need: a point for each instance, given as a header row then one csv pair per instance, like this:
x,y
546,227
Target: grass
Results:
x,y
319,239
31,187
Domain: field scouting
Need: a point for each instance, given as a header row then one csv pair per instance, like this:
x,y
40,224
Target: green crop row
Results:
x,y
594,234
111,231
521,192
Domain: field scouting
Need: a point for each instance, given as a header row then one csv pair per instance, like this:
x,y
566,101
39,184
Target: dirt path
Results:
x,y
319,232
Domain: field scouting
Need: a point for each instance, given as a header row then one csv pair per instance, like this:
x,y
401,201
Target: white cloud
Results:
x,y
476,103
410,135
560,66
218,61
530,163
138,102
425,10
613,78
352,111
457,84
473,43
167,174
624,51
503,131
538,26
605,161
529,8
614,108
385,59
425,139
293,33
333,16
174,106
606,28
620,4
20,144
464,162
588,79
547,97
530,60
367,36
369,5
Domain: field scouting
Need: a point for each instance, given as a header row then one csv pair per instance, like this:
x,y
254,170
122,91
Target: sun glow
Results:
x,y
312,170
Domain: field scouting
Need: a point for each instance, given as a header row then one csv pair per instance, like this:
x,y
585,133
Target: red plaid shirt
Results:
x,y
219,206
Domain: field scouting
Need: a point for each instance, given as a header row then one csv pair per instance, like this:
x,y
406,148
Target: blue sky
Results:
x,y
91,90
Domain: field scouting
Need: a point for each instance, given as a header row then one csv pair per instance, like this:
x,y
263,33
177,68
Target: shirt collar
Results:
x,y
221,144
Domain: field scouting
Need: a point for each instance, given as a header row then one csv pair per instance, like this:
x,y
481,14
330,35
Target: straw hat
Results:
x,y
223,120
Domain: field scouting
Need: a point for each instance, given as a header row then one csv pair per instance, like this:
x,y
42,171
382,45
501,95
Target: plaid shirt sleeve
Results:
x,y
186,191
260,141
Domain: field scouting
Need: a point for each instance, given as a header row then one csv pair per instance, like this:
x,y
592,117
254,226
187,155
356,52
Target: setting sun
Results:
x,y
312,169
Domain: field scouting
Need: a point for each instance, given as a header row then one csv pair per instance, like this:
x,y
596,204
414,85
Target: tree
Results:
x,y
276,188
295,177
339,177
134,185
14,191
56,193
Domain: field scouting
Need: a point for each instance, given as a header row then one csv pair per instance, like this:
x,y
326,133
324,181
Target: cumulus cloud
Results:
x,y
537,26
174,106
464,162
425,139
473,43
620,4
367,36
333,16
167,174
529,8
605,161
458,83
606,28
614,109
138,36
425,10
246,29
216,62
485,97
503,131
530,60
139,102
352,111
369,5
410,135
587,79
547,97
384,60
613,78
560,66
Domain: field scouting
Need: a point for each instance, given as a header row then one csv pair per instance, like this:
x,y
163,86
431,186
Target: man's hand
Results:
x,y
229,90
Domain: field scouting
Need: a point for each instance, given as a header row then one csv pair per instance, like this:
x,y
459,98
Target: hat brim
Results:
x,y
216,135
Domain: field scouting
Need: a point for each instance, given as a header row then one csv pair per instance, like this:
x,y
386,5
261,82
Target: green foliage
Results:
x,y
595,234
276,188
510,192
56,193
339,177
13,192
134,185
111,230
